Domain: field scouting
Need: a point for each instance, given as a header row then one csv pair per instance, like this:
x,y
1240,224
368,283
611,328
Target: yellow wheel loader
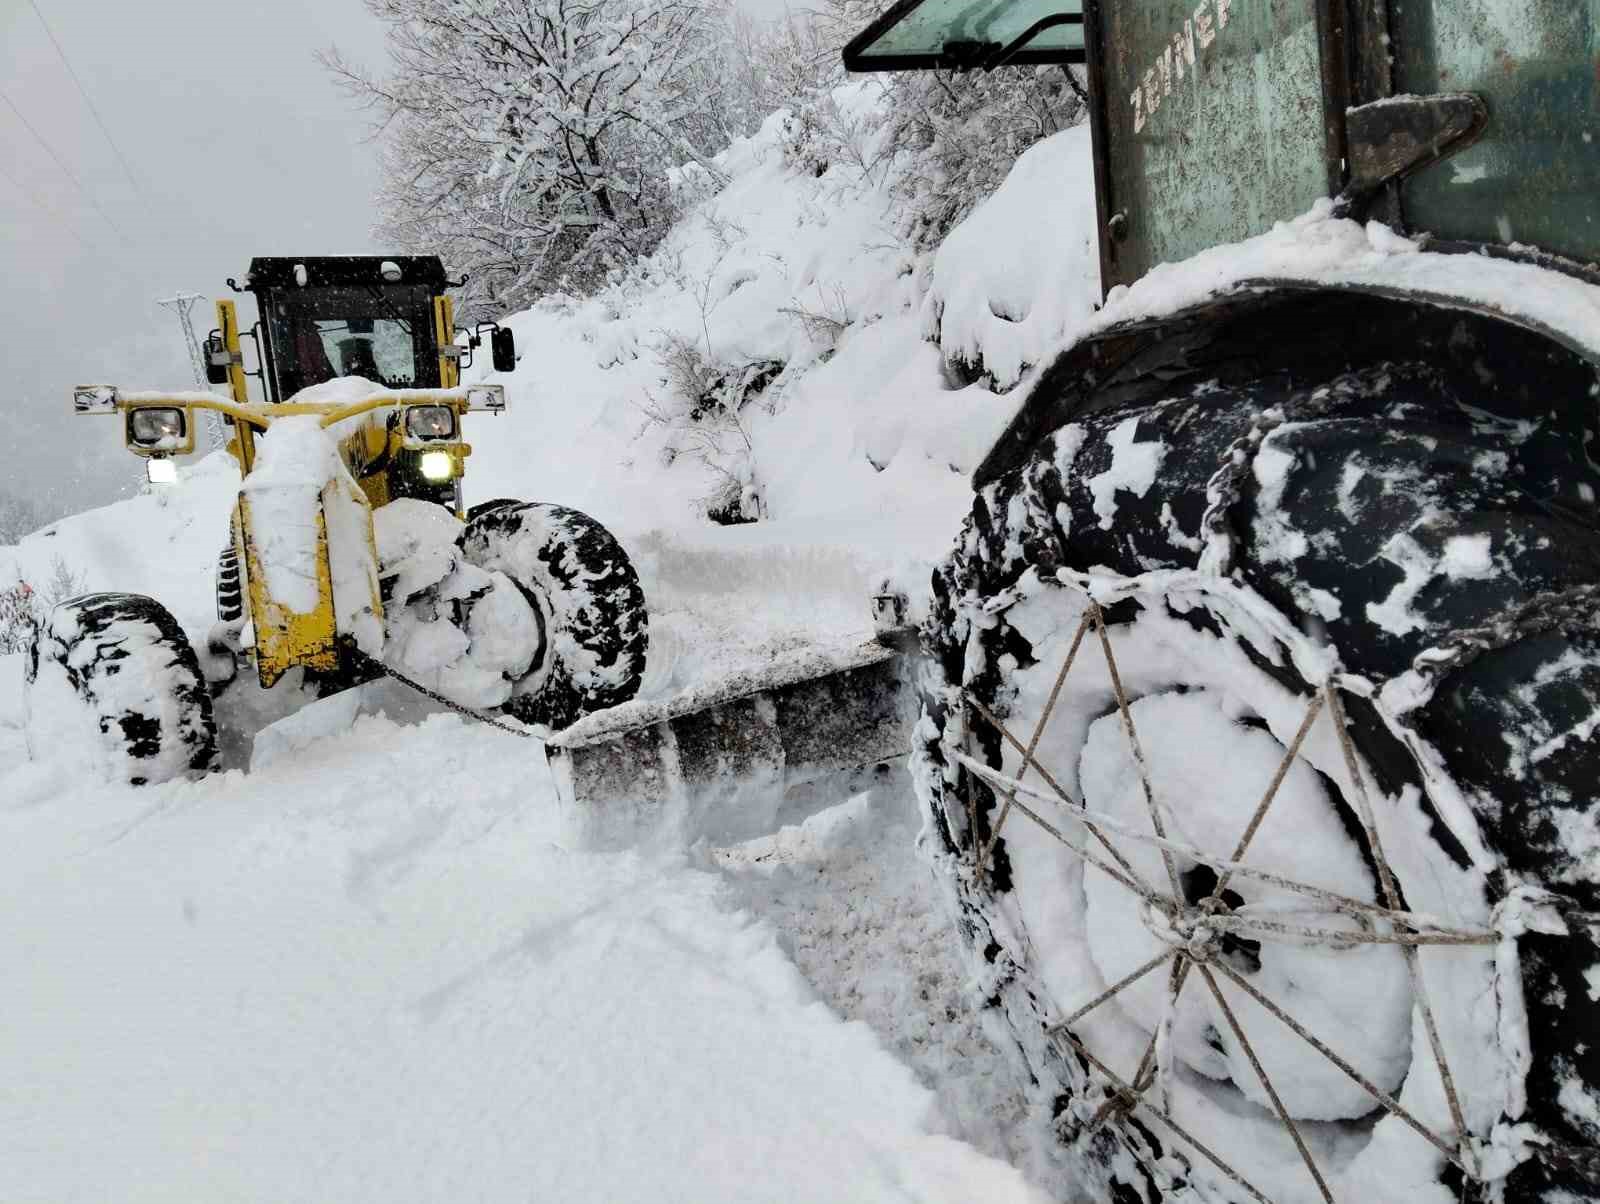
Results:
x,y
350,552
351,555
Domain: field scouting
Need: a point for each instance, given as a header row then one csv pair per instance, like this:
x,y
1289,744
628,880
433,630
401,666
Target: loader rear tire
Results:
x,y
492,504
111,677
230,585
596,629
1478,763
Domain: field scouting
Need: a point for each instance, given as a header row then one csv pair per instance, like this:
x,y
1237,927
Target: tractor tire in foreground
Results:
x,y
113,675
1293,900
594,626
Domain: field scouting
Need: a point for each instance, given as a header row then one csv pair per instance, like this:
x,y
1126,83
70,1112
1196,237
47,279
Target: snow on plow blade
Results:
x,y
718,762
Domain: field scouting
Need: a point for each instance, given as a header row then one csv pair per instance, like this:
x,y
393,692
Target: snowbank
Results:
x,y
1022,273
163,542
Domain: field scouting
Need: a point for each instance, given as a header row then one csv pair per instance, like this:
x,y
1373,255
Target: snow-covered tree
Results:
x,y
951,137
18,517
531,142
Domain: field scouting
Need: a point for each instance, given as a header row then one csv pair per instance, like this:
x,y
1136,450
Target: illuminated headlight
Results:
x,y
431,422
438,465
156,426
160,471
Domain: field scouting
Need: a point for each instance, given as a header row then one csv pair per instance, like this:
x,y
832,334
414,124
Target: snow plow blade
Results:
x,y
735,759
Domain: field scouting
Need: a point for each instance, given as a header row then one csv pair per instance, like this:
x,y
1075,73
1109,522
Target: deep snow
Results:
x,y
368,972
369,967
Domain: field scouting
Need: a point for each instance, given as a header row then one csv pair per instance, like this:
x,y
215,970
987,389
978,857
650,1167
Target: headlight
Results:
x,y
431,422
160,471
156,426
438,465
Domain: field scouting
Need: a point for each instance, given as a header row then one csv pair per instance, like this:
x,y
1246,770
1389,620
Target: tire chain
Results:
x,y
380,669
1228,485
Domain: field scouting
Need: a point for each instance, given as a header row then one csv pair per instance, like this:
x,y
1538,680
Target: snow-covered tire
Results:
x,y
114,676
492,504
1382,544
595,626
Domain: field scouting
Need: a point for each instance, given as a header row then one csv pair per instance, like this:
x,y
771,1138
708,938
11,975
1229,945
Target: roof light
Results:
x,y
300,274
389,270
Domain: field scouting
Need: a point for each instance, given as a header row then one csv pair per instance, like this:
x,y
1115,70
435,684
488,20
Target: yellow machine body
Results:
x,y
373,445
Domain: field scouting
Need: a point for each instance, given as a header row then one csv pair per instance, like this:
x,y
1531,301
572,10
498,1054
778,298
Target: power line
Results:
x,y
45,209
106,259
83,92
71,175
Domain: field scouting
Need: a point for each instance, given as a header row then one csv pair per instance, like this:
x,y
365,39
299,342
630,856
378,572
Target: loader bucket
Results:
x,y
728,762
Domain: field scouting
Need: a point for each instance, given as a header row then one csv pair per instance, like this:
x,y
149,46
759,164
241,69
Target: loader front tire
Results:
x,y
112,679
1236,587
596,629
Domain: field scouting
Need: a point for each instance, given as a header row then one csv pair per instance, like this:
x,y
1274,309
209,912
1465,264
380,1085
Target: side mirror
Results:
x,y
503,350
217,360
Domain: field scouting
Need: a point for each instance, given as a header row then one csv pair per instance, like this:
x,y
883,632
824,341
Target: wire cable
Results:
x,y
71,175
83,92
40,204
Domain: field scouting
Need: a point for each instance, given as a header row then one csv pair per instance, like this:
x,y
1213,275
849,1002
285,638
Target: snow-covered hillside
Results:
x,y
367,966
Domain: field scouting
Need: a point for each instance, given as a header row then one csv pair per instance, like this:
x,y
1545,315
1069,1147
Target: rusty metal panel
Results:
x,y
1535,175
1214,123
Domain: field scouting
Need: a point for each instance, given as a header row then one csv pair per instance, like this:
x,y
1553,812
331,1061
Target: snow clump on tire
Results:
x,y
111,677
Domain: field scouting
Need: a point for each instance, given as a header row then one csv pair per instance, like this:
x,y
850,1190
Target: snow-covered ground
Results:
x,y
369,967
369,972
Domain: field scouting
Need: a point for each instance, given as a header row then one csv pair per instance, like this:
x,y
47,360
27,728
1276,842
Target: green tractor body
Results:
x,y
1290,560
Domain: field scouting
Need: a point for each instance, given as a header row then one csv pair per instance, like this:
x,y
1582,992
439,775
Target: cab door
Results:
x,y
1534,176
1212,122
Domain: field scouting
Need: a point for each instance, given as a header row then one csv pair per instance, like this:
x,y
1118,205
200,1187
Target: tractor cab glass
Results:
x,y
963,34
380,334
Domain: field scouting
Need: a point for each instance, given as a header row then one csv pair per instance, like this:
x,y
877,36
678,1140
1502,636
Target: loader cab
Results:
x,y
328,317
1475,120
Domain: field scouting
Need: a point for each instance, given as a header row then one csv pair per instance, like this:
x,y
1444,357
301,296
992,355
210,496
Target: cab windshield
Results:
x,y
318,334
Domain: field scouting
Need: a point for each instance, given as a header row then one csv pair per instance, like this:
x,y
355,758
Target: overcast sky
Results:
x,y
236,144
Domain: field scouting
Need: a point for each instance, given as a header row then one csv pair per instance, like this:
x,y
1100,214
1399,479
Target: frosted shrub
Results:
x,y
22,607
17,617
705,415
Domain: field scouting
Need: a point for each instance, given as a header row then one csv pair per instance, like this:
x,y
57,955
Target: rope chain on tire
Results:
x,y
1193,932
383,670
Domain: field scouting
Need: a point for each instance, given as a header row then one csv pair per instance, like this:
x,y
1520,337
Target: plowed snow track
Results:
x,y
370,971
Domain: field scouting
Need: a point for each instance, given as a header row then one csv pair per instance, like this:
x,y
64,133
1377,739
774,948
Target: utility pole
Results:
x,y
181,304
